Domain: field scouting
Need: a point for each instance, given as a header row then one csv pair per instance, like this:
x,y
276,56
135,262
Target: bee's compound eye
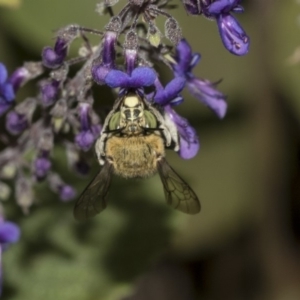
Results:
x,y
150,119
114,121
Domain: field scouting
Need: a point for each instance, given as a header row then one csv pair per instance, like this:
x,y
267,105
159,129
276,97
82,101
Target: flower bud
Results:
x,y
19,119
173,31
41,166
53,58
49,92
65,191
16,123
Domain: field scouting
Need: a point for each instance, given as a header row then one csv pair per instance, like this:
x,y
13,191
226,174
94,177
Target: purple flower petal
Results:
x,y
49,91
18,77
195,60
189,142
205,92
83,112
189,148
107,58
183,58
7,92
85,139
3,73
16,123
130,58
233,35
51,59
116,78
108,51
60,47
9,232
221,6
99,73
170,92
42,165
142,76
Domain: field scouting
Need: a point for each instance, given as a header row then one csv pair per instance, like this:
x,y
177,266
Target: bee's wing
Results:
x,y
92,200
178,193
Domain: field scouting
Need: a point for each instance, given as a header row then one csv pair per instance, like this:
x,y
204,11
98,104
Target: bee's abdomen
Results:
x,y
135,157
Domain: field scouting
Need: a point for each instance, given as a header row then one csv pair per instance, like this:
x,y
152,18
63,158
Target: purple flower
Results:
x,y
189,142
19,77
49,92
139,78
207,93
19,119
66,192
167,97
7,93
169,94
89,133
54,57
233,36
16,122
41,166
9,233
86,138
203,90
107,57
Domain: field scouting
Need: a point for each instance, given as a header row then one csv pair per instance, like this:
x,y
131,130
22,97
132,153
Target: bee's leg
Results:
x,y
100,148
166,135
172,131
167,127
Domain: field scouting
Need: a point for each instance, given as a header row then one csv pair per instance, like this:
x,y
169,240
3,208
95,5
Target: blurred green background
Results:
x,y
245,243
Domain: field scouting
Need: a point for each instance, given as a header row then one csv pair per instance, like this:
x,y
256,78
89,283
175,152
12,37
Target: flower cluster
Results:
x,y
63,111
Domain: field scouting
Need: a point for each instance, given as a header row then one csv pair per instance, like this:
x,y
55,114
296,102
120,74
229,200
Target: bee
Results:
x,y
132,144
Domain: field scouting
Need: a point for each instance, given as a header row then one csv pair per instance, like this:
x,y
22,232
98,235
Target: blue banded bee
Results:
x,y
132,145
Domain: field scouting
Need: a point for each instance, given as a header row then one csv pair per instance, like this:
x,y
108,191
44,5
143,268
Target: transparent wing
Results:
x,y
92,200
178,193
